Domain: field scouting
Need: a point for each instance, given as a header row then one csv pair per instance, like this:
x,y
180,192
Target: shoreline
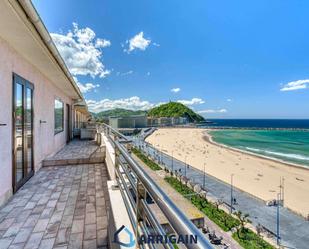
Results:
x,y
208,138
255,174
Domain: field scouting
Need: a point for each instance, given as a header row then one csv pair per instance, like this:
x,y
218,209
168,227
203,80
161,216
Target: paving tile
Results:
x,y
101,222
47,213
8,208
90,244
102,237
69,210
90,218
78,226
63,237
47,243
41,225
51,230
5,243
17,246
66,221
6,223
56,217
76,241
32,220
51,203
38,209
34,241
90,207
60,247
30,205
13,230
24,216
90,232
22,236
15,212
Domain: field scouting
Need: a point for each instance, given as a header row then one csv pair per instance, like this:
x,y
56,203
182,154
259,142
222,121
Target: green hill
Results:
x,y
175,109
118,112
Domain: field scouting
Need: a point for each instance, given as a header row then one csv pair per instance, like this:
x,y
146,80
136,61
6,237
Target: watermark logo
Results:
x,y
131,242
152,238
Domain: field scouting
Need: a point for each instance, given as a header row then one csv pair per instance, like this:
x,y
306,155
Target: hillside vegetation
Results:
x,y
175,109
118,112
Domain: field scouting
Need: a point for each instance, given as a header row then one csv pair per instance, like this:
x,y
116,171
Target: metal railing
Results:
x,y
136,186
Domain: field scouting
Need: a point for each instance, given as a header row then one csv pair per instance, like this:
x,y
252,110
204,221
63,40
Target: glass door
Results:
x,y
22,131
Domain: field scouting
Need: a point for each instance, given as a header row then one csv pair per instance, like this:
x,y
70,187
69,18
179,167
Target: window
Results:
x,y
59,113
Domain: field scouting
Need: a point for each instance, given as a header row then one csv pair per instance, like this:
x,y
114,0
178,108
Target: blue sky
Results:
x,y
226,59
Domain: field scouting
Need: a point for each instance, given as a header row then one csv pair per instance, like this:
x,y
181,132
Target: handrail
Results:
x,y
176,218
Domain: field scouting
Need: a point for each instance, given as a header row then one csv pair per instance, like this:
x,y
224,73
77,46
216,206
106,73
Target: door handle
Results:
x,y
2,124
42,122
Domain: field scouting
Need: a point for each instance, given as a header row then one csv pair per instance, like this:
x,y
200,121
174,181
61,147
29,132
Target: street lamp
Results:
x,y
185,166
204,180
231,211
278,218
172,161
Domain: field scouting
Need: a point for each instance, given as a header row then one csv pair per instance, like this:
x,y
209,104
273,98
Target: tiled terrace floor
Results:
x,y
76,149
59,207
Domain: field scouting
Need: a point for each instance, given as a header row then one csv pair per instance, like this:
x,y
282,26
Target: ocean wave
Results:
x,y
291,156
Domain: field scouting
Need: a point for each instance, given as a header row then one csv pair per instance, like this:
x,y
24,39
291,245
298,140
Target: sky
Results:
x,y
223,59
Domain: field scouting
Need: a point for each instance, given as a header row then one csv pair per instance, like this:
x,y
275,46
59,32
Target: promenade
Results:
x,y
294,230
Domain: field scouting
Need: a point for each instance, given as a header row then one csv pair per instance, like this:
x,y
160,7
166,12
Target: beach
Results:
x,y
253,174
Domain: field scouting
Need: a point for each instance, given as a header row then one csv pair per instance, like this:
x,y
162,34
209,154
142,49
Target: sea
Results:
x,y
286,140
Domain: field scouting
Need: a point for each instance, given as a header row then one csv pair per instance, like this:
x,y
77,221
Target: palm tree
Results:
x,y
243,219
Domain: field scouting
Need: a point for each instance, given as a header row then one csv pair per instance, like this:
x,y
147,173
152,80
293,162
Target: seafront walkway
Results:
x,y
188,208
294,230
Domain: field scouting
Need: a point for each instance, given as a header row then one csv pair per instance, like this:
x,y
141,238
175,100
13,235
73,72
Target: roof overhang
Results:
x,y
22,28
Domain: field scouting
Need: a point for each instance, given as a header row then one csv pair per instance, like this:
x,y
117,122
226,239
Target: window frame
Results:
x,y
62,123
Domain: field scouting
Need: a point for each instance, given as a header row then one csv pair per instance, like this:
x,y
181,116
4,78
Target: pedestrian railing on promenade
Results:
x,y
135,186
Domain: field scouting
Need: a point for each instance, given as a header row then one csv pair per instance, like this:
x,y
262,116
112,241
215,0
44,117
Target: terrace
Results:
x,y
84,193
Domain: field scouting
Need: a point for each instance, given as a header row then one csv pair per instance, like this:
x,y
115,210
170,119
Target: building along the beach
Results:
x,y
132,122
167,121
40,102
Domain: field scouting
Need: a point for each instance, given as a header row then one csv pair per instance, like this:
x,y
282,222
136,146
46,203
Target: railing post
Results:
x,y
141,194
117,154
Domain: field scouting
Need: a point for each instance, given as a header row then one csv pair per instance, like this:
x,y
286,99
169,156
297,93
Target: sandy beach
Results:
x,y
253,174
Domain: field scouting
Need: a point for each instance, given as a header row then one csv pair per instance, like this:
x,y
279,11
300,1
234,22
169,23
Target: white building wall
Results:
x,y
45,142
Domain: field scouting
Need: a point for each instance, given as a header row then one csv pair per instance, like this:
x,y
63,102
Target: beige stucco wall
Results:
x,y
45,142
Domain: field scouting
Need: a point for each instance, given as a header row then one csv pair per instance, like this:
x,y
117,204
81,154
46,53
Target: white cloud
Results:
x,y
102,43
84,88
138,42
229,100
148,74
295,85
193,101
212,111
127,73
132,103
81,51
156,44
175,90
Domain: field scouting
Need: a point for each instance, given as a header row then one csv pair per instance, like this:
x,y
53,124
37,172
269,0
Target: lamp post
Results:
x,y
278,218
204,180
185,166
231,211
173,161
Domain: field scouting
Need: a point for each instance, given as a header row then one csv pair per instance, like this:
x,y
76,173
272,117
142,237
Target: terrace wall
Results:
x,y
45,141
